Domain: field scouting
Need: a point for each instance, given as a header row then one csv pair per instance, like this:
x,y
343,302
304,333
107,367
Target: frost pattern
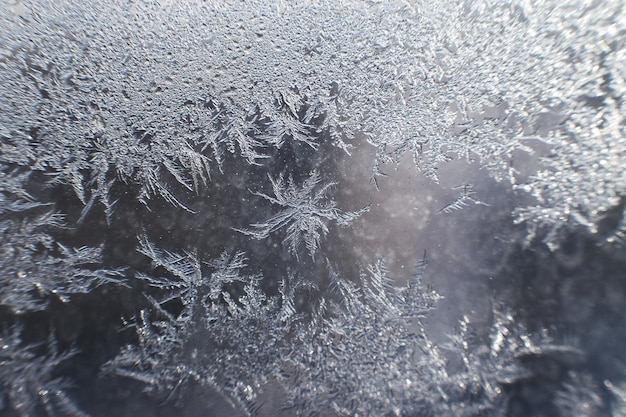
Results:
x,y
305,211
161,98
579,187
363,350
619,393
438,81
581,396
35,266
371,356
462,200
26,377
510,356
228,335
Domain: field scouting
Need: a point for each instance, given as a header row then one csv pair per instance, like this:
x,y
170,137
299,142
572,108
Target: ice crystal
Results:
x,y
27,378
371,356
227,335
305,211
35,266
103,103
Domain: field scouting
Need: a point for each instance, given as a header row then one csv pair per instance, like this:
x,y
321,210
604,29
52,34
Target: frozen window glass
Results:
x,y
312,208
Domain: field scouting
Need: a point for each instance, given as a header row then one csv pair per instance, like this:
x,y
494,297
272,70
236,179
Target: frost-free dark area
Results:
x,y
346,208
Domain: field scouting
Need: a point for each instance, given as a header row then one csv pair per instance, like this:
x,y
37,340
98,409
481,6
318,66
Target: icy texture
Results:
x,y
619,407
33,264
371,356
229,342
150,100
361,350
26,377
305,212
580,396
226,123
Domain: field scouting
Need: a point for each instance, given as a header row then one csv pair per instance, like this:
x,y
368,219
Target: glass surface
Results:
x,y
316,208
